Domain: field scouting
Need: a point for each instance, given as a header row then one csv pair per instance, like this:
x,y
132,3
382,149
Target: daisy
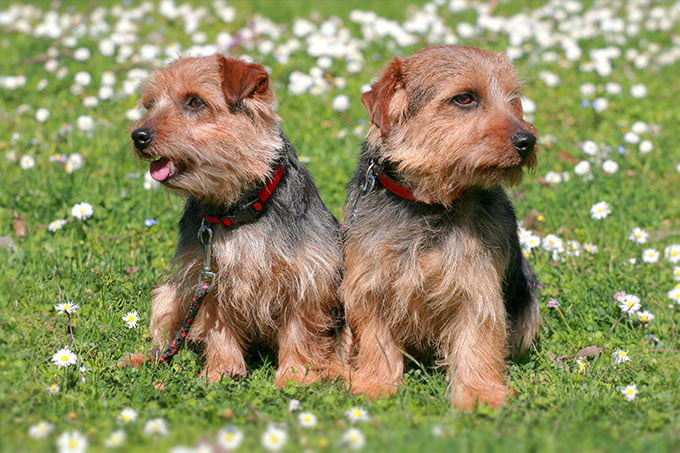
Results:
x,y
582,168
553,243
672,253
629,391
85,123
67,307
630,304
590,248
116,439
675,294
650,255
645,317
620,356
274,438
307,420
676,272
600,210
609,166
82,211
72,442
589,147
638,91
645,147
64,357
340,103
26,162
639,236
357,414
229,438
127,415
53,389
581,365
41,430
131,319
353,438
156,427
42,114
56,225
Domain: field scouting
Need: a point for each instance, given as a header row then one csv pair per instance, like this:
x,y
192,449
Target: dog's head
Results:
x,y
210,128
449,118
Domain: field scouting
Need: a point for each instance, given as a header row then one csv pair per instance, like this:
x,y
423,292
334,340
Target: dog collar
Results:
x,y
401,191
251,210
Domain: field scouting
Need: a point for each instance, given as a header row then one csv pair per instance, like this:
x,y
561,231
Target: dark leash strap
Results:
x,y
205,282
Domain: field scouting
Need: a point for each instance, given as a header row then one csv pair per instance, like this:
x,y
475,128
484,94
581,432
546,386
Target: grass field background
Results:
x,y
602,88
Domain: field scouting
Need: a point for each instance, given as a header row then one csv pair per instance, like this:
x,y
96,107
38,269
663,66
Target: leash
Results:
x,y
205,282
366,186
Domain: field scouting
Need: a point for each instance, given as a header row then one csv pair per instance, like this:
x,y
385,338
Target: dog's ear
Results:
x,y
377,101
241,80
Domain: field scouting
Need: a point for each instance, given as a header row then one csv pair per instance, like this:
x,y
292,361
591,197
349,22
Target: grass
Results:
x,y
110,263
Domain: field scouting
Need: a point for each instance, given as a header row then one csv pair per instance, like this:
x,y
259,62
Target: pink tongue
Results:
x,y
160,169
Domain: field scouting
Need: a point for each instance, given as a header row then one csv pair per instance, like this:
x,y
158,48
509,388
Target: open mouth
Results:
x,y
162,169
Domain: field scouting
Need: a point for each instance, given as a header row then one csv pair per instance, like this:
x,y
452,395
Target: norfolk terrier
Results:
x,y
211,133
433,265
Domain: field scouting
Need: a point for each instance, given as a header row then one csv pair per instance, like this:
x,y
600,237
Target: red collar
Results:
x,y
401,191
251,210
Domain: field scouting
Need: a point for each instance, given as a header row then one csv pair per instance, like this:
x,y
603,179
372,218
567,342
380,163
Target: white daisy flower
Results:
x,y
672,253
630,304
340,103
274,438
64,357
354,438
116,439
600,210
645,317
307,419
620,356
67,307
127,415
26,162
42,114
639,236
131,319
72,442
56,225
357,414
156,427
650,255
82,211
229,438
674,294
40,430
630,392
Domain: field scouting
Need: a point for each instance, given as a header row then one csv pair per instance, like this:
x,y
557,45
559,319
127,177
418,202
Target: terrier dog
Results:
x,y
211,133
433,264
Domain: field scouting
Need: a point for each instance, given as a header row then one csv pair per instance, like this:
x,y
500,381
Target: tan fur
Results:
x,y
269,289
430,280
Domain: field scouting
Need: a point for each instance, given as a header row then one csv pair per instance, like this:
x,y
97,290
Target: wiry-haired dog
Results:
x,y
211,133
432,259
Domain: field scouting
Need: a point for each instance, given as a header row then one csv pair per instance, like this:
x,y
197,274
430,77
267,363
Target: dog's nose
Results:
x,y
524,143
142,137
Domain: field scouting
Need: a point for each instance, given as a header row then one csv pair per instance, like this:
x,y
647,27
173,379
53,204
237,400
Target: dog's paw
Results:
x,y
371,388
217,374
493,395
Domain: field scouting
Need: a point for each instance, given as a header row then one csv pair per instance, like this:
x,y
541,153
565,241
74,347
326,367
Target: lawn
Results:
x,y
599,217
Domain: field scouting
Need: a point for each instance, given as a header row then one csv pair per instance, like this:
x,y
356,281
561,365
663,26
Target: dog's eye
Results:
x,y
148,104
463,99
194,102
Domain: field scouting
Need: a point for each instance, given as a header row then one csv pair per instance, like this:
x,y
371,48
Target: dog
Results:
x,y
433,265
211,134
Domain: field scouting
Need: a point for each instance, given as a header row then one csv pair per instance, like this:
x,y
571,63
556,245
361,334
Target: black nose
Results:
x,y
524,143
142,137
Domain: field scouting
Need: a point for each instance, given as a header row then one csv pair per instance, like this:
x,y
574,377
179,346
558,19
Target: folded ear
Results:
x,y
377,101
241,80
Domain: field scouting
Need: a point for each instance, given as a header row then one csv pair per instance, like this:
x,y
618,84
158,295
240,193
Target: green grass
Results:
x,y
110,263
